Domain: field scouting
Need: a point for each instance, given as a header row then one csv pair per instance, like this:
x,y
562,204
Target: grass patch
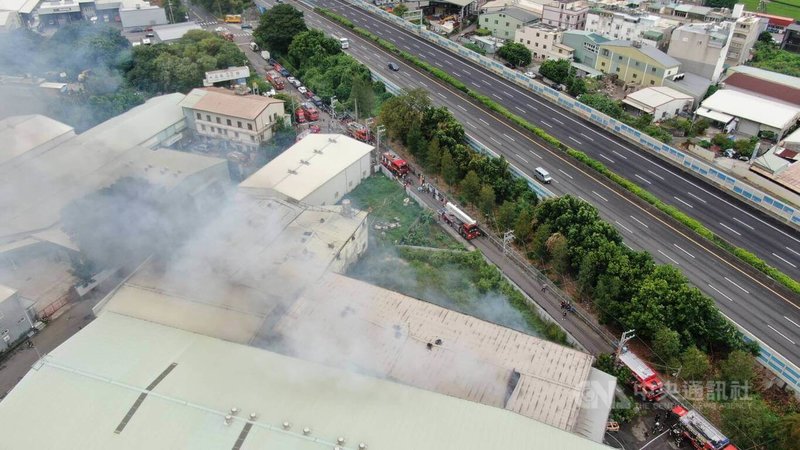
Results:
x,y
457,280
786,8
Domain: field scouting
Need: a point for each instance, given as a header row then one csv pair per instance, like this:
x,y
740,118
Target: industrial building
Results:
x,y
777,87
142,14
174,31
749,114
319,170
504,22
16,317
661,102
129,13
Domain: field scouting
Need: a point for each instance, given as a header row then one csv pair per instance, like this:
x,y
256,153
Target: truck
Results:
x,y
358,131
311,112
647,383
466,226
275,80
699,431
233,18
398,167
300,115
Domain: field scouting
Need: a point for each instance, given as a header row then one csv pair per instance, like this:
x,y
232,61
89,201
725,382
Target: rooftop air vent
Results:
x,y
287,425
306,431
340,440
318,151
362,446
228,419
332,139
293,172
253,416
234,411
303,161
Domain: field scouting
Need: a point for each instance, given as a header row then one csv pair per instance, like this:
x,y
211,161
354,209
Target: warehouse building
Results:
x,y
16,317
749,114
319,170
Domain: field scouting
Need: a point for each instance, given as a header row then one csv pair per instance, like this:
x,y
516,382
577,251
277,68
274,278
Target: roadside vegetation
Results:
x,y
769,56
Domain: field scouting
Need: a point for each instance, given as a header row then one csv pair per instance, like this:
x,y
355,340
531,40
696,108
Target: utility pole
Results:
x,y
626,336
378,131
333,107
508,237
356,100
171,16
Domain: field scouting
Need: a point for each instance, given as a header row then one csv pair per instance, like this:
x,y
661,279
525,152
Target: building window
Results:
x,y
536,44
208,118
203,127
239,124
252,138
508,24
199,117
229,122
212,129
652,82
236,134
619,58
634,75
495,22
250,126
617,69
218,121
653,69
537,34
544,47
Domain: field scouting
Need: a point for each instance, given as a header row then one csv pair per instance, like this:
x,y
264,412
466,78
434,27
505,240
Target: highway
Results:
x,y
740,224
746,299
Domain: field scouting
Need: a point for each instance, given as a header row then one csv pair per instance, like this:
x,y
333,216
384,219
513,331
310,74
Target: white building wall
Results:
x,y
543,43
143,17
566,16
353,250
338,186
670,109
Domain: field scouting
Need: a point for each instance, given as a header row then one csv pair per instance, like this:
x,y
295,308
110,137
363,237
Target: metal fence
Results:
x,y
742,189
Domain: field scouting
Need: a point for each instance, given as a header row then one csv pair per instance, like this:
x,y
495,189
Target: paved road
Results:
x,y
735,221
747,299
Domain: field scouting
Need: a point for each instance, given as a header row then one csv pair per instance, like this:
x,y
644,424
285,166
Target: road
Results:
x,y
746,298
737,222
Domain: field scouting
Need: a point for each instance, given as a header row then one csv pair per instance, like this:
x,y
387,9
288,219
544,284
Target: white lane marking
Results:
x,y
683,201
579,142
640,222
623,227
619,154
415,45
562,123
642,178
509,138
545,123
565,173
669,257
462,108
506,92
486,83
793,251
604,199
730,229
495,140
733,283
793,322
520,109
720,292
537,155
743,223
466,72
783,259
606,157
652,440
423,83
520,157
587,137
496,96
655,175
471,124
782,335
442,95
699,198
684,251
629,247
484,122
531,107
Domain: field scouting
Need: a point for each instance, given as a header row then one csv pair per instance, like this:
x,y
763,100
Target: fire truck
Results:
x,y
466,226
275,80
397,166
300,115
647,383
312,114
699,431
358,131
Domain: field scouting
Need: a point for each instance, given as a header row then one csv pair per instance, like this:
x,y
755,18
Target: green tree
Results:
x,y
523,226
449,170
694,364
400,112
515,53
475,48
604,104
288,101
310,47
667,345
506,216
750,423
788,431
765,36
557,70
737,368
362,95
538,243
434,158
559,253
277,28
486,200
576,87
400,10
471,187
416,143
770,57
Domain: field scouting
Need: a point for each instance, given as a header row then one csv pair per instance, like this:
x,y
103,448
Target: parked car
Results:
x,y
393,66
292,81
247,26
309,94
530,74
268,93
317,101
150,35
314,128
511,65
137,30
302,89
558,87
285,72
271,61
148,29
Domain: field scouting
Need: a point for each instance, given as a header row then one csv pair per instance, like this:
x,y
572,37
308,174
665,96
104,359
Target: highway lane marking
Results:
x,y
556,120
423,83
438,64
783,259
531,107
721,293
782,335
619,154
699,198
587,137
485,122
442,95
545,123
655,175
495,140
496,96
595,193
590,176
520,109
433,55
743,223
471,124
606,157
730,229
537,155
462,108
733,283
793,322
623,227
683,201
684,251
670,258
565,173
640,222
579,142
486,82
642,178
793,251
474,83
626,245
509,137
520,157
506,92
466,72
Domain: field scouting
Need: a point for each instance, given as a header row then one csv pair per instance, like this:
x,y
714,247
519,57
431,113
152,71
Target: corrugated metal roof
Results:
x,y
753,108
81,391
782,92
227,103
20,134
651,52
767,75
657,96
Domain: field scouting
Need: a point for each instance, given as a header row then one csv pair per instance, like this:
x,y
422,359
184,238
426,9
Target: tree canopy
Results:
x,y
277,28
770,57
515,53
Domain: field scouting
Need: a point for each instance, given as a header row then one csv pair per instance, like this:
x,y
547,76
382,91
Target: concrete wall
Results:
x,y
345,181
14,321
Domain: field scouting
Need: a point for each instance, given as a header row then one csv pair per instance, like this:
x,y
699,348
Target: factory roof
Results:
x,y
651,52
124,383
227,103
767,75
783,92
307,165
35,190
20,6
654,97
386,334
6,292
753,108
520,14
174,31
20,134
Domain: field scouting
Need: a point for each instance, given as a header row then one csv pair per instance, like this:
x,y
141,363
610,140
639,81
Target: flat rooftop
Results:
x,y
20,134
125,383
307,165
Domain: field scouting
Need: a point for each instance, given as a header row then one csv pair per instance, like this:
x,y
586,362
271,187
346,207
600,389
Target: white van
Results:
x,y
542,175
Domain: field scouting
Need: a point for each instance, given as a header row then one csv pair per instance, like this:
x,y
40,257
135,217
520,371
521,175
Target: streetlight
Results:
x,y
333,107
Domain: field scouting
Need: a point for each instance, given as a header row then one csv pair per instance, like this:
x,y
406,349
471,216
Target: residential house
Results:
x,y
745,35
635,63
649,29
15,317
504,22
702,48
544,42
659,101
585,45
244,121
566,15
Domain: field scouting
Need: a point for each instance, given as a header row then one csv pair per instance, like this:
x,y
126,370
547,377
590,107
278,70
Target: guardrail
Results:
x,y
742,190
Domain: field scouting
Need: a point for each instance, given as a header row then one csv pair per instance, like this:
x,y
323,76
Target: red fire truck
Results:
x,y
699,431
358,131
300,115
397,166
647,383
312,114
466,226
